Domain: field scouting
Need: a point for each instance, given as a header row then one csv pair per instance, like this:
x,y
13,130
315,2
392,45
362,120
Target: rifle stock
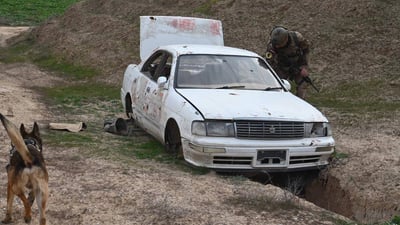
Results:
x,y
308,80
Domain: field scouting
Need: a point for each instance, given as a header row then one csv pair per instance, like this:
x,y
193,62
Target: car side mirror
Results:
x,y
287,84
161,81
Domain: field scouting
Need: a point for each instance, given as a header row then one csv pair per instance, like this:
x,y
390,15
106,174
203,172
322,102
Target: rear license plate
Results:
x,y
262,154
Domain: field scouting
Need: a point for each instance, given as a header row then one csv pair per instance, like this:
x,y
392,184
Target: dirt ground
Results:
x,y
97,191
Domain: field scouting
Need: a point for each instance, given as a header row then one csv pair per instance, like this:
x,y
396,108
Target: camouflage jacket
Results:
x,y
287,61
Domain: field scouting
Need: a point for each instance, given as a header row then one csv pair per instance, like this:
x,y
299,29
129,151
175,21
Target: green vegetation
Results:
x,y
362,98
31,12
68,139
26,51
16,53
394,221
206,7
95,142
340,155
75,72
152,150
81,94
125,149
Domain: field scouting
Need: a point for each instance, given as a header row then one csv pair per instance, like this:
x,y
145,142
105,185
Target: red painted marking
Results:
x,y
215,28
183,24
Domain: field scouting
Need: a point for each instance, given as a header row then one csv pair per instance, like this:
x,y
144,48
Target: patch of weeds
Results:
x,y
153,150
394,221
74,97
206,7
359,98
116,147
32,12
340,155
26,51
68,139
68,70
93,141
186,167
17,53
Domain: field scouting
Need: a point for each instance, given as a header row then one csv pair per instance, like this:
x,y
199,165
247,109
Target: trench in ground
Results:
x,y
324,190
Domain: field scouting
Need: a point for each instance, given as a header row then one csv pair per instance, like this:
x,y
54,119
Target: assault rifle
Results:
x,y
309,81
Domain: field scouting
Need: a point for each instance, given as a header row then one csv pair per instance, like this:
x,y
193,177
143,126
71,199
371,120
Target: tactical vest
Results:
x,y
291,56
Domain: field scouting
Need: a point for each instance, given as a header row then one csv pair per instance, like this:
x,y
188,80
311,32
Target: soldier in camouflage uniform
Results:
x,y
287,54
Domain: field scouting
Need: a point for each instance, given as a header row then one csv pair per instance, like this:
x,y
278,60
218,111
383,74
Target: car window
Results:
x,y
159,64
220,71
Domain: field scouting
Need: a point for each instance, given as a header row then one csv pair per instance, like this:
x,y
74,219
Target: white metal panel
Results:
x,y
207,49
156,31
270,105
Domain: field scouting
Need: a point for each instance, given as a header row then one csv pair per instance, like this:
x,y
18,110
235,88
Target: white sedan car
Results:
x,y
220,107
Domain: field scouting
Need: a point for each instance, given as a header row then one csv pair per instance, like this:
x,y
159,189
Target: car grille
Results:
x,y
269,129
232,160
304,159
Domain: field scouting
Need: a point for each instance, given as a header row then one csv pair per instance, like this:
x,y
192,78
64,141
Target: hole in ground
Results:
x,y
324,190
309,185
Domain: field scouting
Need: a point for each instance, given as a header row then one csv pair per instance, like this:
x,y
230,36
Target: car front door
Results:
x,y
150,96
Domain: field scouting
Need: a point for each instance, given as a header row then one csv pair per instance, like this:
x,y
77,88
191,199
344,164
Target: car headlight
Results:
x,y
213,128
317,130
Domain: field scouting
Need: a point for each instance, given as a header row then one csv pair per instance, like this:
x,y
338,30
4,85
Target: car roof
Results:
x,y
188,49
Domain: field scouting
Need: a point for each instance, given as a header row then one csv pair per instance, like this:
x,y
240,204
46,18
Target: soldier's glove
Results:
x,y
304,71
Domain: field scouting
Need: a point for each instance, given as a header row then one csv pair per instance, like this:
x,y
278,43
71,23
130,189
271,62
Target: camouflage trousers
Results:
x,y
301,85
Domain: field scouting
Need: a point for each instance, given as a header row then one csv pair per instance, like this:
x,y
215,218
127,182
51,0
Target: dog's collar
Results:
x,y
27,142
31,142
12,150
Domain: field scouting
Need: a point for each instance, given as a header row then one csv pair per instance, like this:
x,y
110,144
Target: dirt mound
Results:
x,y
105,34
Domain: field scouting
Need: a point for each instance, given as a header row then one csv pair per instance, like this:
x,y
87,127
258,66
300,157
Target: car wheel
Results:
x,y
128,106
173,143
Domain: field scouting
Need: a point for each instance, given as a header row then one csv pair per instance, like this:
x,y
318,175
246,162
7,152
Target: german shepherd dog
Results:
x,y
26,170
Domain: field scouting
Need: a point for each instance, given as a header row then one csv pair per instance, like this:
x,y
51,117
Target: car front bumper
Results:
x,y
267,155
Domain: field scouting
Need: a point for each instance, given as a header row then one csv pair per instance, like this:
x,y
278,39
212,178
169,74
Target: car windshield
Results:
x,y
224,72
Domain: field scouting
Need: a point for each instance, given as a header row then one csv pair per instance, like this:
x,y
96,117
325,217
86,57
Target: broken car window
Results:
x,y
216,71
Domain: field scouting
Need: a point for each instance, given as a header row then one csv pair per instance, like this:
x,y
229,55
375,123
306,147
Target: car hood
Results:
x,y
156,31
251,104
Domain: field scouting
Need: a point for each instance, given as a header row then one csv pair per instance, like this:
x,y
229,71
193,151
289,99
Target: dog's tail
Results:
x,y
17,140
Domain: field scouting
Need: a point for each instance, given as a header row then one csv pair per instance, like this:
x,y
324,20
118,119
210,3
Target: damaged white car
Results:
x,y
219,107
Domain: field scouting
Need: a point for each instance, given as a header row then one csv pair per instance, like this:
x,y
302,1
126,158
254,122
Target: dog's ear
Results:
x,y
35,130
22,130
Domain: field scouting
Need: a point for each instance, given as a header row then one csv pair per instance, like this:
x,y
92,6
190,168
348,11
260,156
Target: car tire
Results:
x,y
128,106
173,142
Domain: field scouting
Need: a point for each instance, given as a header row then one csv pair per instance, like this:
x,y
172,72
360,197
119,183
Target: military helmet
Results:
x,y
279,37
